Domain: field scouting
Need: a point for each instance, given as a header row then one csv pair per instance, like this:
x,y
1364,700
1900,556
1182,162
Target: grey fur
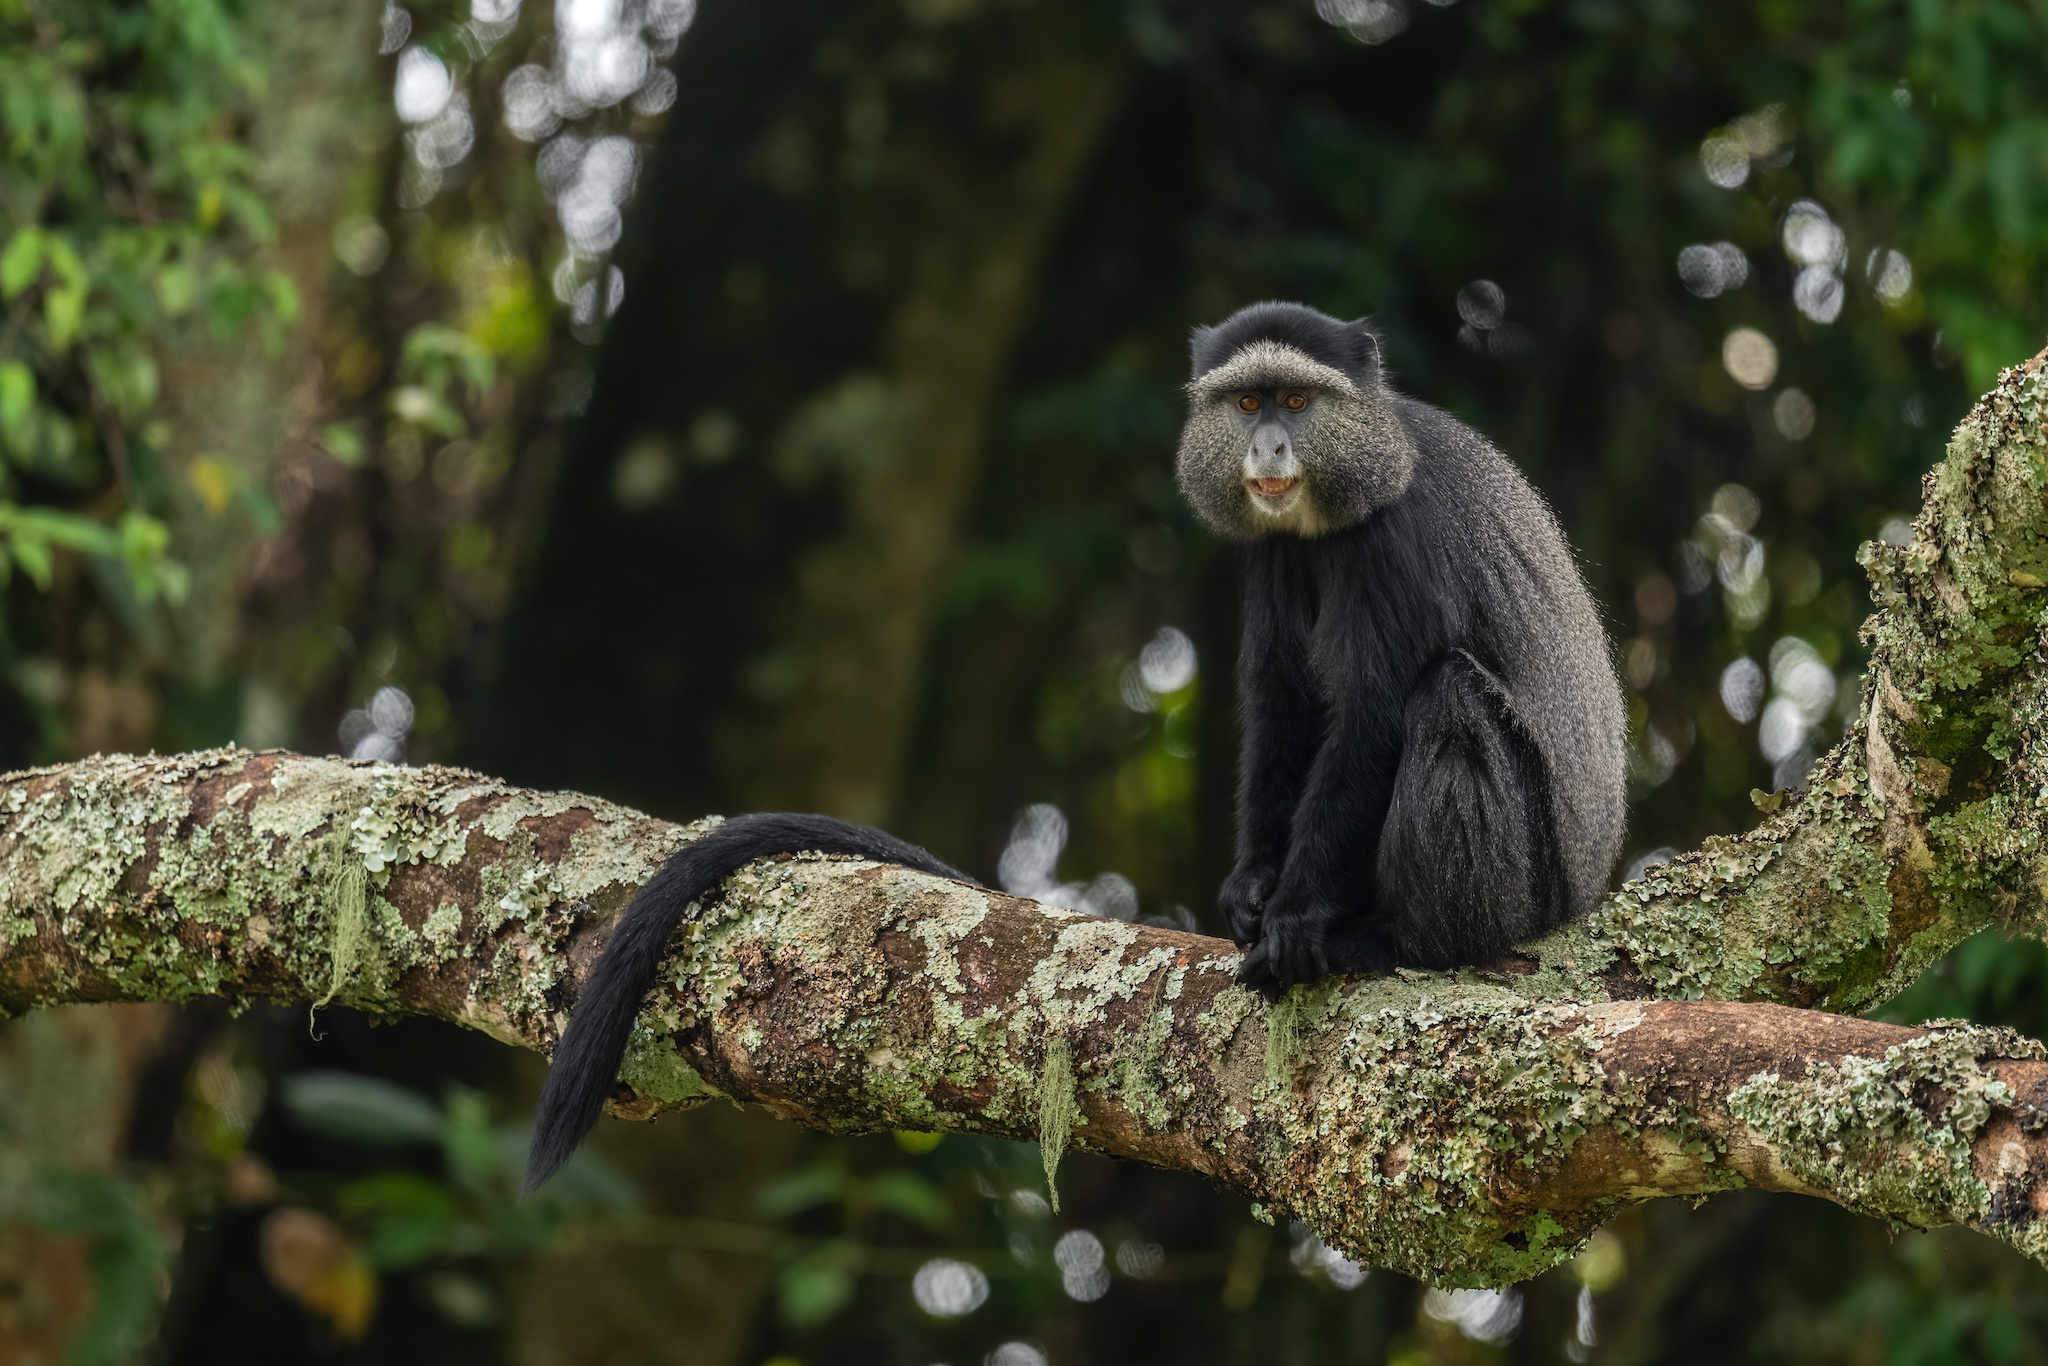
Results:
x,y
1552,654
1338,488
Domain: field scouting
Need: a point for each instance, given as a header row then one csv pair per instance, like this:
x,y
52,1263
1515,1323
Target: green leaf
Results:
x,y
476,1158
283,295
361,1109
424,408
407,1239
396,1192
64,314
176,289
913,1197
144,545
260,508
33,555
343,441
127,375
801,1191
21,261
17,396
411,1218
67,529
813,1290
63,258
114,1217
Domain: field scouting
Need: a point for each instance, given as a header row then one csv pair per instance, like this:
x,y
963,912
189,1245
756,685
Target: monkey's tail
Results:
x,y
586,1062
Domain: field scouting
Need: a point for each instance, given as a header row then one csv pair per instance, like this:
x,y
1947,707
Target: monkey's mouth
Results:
x,y
1272,490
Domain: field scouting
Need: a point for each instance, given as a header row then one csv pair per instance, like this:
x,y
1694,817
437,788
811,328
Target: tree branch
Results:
x,y
1469,1127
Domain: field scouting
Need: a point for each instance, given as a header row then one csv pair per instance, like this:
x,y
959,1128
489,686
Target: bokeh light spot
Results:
x,y
1742,689
1488,1316
1711,269
949,1289
1079,1256
1167,663
1890,275
1792,413
1369,21
423,86
1139,1258
1750,358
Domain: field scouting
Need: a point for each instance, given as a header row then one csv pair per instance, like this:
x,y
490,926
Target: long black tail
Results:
x,y
586,1062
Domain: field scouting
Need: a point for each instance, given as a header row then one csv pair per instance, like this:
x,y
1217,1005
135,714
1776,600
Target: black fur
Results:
x,y
1432,760
586,1062
1352,347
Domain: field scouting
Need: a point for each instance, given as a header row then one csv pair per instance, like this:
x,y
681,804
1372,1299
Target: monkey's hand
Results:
x,y
1293,943
1243,898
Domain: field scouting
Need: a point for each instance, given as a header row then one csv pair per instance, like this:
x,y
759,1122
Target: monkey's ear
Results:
x,y
1365,348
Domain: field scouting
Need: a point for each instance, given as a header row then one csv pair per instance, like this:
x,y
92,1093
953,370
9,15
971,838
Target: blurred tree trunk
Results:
x,y
977,191
254,409
69,1077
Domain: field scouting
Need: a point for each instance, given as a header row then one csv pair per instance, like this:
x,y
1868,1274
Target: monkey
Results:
x,y
1432,766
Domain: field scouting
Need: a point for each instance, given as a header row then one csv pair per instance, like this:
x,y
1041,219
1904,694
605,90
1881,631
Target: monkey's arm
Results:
x,y
1323,899
1283,722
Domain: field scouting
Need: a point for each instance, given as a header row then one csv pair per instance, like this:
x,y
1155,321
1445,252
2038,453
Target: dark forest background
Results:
x,y
729,406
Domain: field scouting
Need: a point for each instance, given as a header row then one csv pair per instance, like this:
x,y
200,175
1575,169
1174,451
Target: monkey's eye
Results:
x,y
1249,403
1294,400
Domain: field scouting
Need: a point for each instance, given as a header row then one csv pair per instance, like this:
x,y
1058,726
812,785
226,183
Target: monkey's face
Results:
x,y
1278,441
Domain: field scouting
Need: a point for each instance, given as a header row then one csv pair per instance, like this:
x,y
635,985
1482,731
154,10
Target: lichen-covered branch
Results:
x,y
1455,1127
1469,1127
1926,823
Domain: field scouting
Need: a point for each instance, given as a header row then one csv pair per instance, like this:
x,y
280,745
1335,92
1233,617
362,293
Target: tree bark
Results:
x,y
1468,1127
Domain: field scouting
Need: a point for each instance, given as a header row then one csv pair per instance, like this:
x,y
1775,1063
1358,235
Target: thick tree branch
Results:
x,y
1925,824
1469,1127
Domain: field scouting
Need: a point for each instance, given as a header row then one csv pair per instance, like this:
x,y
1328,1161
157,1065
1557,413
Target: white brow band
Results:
x,y
1272,365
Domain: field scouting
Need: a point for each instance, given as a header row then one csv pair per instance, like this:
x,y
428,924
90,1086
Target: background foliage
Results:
x,y
771,405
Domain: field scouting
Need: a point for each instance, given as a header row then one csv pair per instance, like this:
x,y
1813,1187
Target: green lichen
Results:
x,y
249,893
1142,1066
1284,1037
1541,1244
402,823
444,928
1057,1113
654,1069
350,945
1890,1136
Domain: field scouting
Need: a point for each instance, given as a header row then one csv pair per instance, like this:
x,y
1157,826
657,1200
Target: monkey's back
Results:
x,y
1471,558
1535,624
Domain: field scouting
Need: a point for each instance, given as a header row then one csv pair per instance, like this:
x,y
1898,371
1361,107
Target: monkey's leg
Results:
x,y
1468,862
